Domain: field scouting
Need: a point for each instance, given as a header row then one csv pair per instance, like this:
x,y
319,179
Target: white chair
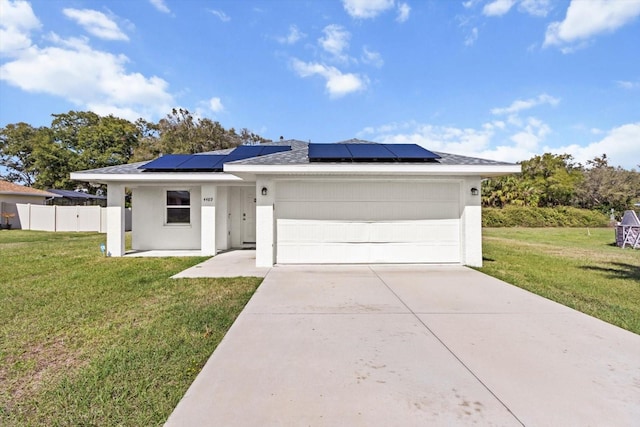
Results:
x,y
630,229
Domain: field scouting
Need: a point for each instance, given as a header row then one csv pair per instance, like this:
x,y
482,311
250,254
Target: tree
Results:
x,y
554,176
18,143
95,141
148,143
180,132
606,187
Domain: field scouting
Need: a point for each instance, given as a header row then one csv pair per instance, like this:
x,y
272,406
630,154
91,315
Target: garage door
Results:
x,y
367,222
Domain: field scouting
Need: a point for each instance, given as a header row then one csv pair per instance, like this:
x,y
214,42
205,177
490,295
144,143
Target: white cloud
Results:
x,y
292,37
220,15
403,12
73,70
96,23
498,140
335,40
464,141
625,84
620,145
520,105
371,57
17,21
472,37
470,3
215,105
531,135
501,7
160,5
586,19
497,7
535,7
366,9
337,84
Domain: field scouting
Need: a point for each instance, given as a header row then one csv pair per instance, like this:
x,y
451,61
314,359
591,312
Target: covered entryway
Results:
x,y
368,222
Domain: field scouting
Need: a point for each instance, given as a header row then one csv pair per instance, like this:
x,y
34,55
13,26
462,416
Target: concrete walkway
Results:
x,y
412,346
227,264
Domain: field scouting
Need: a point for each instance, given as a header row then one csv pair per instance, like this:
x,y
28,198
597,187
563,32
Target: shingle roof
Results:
x,y
297,156
300,157
7,187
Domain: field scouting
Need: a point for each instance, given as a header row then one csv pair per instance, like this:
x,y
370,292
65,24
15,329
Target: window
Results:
x,y
178,207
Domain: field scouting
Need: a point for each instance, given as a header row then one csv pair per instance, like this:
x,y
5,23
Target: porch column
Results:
x,y
222,218
471,223
208,220
115,220
265,254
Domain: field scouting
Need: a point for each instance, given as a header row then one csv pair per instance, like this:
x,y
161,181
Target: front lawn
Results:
x,y
89,340
579,268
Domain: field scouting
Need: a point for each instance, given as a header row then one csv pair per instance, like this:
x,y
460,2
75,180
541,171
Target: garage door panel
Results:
x,y
359,253
367,211
296,191
365,222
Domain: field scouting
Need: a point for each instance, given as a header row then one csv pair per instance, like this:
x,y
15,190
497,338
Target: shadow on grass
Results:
x,y
618,270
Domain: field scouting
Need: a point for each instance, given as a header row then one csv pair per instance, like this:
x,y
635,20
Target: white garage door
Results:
x,y
367,222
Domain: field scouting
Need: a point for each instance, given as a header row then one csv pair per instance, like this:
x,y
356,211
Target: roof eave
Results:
x,y
484,171
17,193
154,177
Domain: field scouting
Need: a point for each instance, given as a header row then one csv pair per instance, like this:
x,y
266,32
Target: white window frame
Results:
x,y
167,206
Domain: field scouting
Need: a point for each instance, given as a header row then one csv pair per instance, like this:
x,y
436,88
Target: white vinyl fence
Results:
x,y
66,218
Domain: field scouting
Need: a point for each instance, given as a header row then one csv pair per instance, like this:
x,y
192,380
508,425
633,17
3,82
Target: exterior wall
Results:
x,y
149,227
471,223
222,219
265,224
8,204
467,215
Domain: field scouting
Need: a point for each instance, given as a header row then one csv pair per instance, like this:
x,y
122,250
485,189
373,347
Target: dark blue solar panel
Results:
x,y
328,152
370,152
204,162
411,152
243,152
210,162
166,162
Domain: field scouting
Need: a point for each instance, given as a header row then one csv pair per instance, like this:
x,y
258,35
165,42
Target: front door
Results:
x,y
249,215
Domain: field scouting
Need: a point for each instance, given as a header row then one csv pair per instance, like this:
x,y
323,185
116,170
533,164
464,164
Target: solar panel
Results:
x,y
346,152
244,152
210,162
370,152
411,152
202,162
329,152
166,162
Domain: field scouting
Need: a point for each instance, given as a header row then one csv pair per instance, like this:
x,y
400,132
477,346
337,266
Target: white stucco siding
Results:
x,y
150,230
371,221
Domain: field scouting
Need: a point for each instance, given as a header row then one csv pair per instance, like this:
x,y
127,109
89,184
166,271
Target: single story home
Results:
x,y
11,194
302,203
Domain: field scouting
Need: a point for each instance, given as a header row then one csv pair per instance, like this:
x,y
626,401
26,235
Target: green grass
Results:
x,y
579,268
89,340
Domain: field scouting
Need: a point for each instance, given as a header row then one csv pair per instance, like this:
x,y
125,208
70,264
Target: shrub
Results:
x,y
561,216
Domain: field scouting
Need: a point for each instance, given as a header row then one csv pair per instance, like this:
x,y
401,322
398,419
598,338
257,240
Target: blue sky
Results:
x,y
500,79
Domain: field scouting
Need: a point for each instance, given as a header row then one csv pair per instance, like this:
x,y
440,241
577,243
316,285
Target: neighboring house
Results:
x,y
77,198
11,193
302,203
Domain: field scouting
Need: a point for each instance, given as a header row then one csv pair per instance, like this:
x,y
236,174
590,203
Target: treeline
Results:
x,y
553,180
43,157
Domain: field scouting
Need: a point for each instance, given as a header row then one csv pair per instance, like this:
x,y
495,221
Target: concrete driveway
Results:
x,y
412,346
